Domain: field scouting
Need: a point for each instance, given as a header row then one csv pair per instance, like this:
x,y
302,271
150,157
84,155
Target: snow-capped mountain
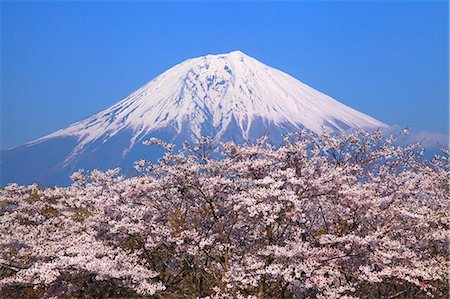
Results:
x,y
227,97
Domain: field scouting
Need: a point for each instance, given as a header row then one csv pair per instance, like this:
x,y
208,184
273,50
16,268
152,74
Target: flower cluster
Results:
x,y
321,216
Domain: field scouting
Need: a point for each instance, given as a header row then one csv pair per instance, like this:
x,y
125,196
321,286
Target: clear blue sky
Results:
x,y
63,61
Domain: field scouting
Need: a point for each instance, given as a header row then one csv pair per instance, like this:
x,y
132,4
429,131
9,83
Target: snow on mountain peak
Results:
x,y
211,94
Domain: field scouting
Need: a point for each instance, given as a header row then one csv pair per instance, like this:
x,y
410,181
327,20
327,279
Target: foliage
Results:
x,y
322,216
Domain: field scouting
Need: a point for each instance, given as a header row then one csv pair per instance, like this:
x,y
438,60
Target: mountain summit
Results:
x,y
227,97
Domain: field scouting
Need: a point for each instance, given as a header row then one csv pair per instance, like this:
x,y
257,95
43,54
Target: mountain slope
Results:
x,y
227,96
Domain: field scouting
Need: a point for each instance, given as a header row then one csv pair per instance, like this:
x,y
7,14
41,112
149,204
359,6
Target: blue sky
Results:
x,y
63,61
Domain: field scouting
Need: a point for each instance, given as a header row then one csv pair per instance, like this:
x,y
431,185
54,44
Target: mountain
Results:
x,y
227,97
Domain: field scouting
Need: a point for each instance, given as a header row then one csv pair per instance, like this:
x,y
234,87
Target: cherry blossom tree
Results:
x,y
321,216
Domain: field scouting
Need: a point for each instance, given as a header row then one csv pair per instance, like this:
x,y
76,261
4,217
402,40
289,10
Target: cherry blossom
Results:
x,y
321,216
